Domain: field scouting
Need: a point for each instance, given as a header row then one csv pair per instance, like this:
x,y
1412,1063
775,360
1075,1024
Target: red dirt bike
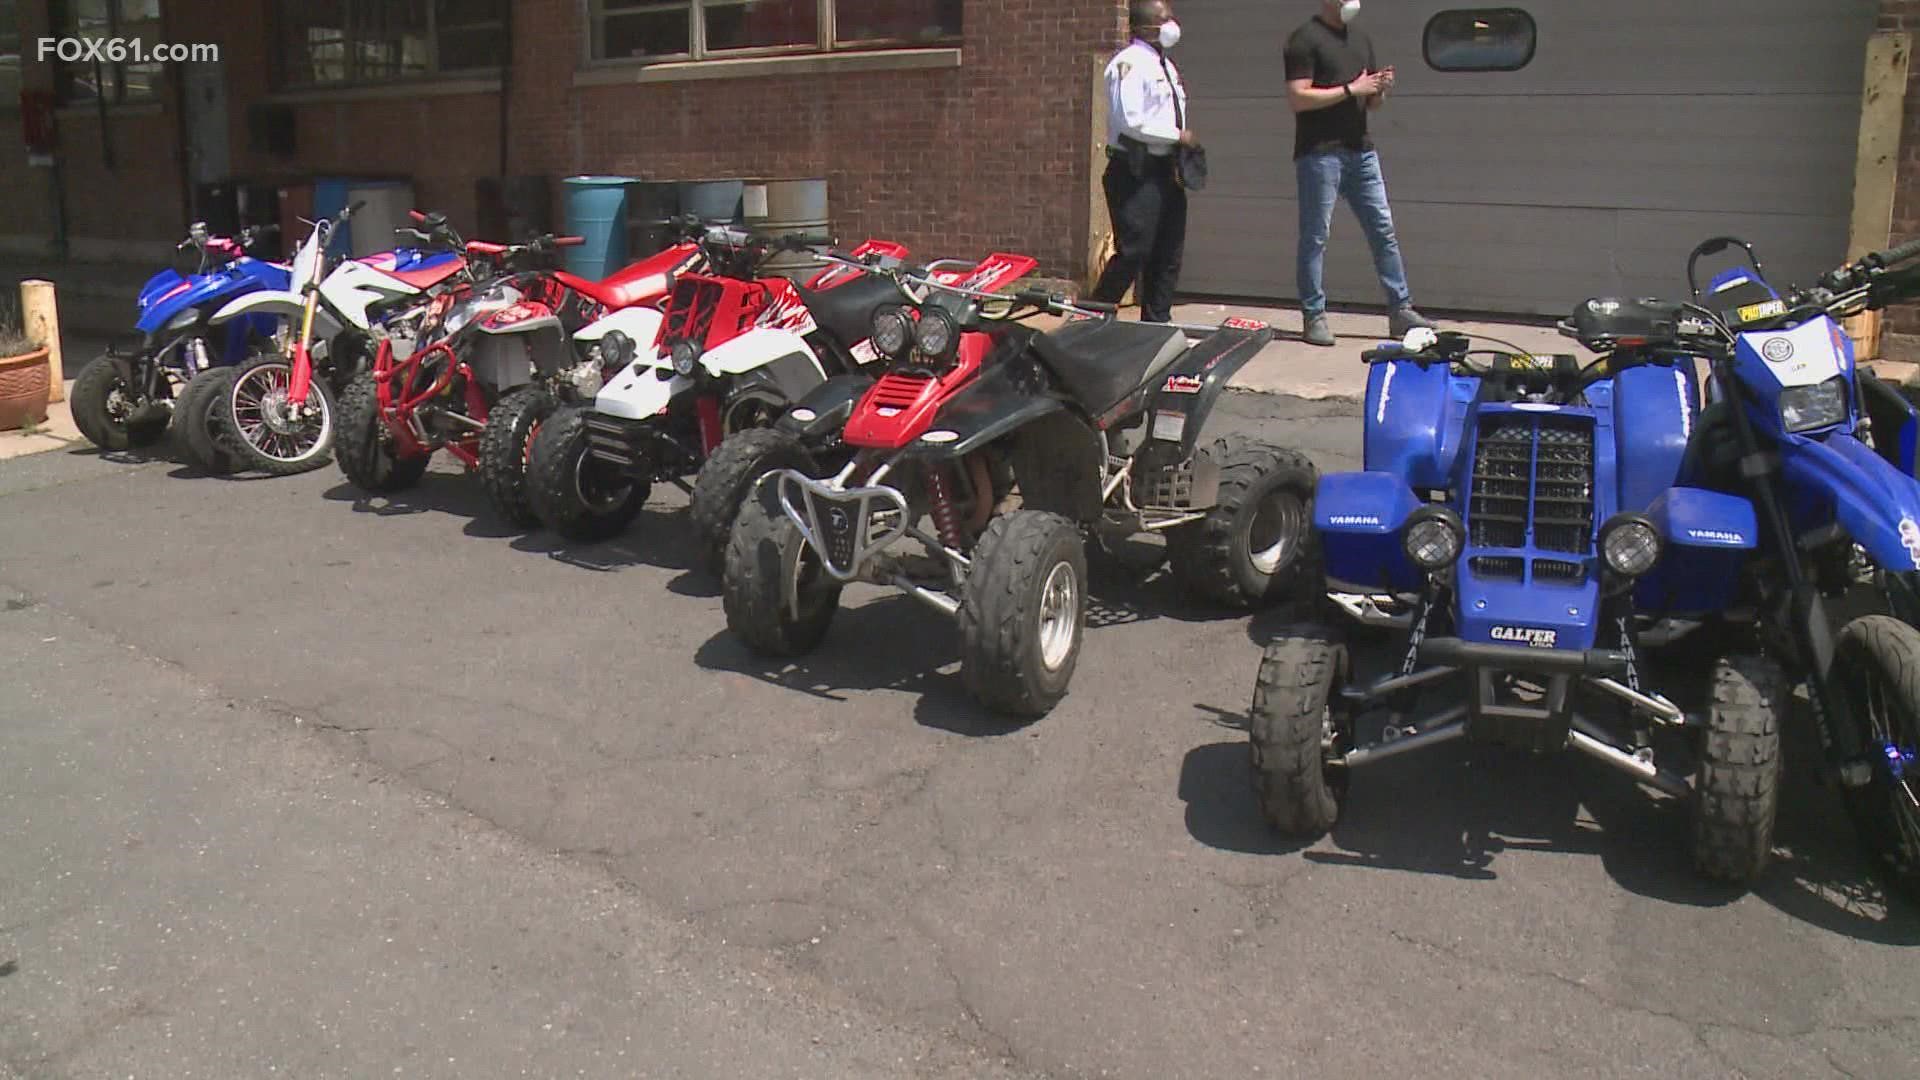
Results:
x,y
1095,425
732,352
489,366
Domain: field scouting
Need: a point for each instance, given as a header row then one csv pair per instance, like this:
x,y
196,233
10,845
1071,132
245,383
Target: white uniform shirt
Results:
x,y
1140,99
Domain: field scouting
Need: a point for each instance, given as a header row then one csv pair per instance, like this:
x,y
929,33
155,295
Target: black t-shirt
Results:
x,y
1331,58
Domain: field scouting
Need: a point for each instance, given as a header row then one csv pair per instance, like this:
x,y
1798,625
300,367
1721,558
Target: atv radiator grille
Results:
x,y
1532,475
1498,567
895,391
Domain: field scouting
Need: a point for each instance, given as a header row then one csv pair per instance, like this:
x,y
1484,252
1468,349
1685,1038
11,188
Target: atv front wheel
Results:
x,y
1298,721
110,413
727,476
1023,612
269,434
1737,785
1877,665
778,597
1257,544
364,448
196,426
506,446
574,493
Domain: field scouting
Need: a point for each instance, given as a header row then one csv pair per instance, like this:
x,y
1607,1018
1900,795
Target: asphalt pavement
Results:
x,y
303,783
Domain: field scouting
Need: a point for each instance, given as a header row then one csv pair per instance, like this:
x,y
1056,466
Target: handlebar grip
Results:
x,y
1096,305
355,207
569,241
417,216
1902,253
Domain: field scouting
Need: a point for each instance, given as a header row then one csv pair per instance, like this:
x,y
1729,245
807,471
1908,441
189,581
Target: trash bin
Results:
x,y
597,212
779,208
715,201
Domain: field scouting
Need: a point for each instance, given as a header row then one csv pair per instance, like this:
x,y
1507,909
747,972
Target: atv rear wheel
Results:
x,y
1737,785
267,435
574,493
726,478
203,440
506,447
778,597
111,414
364,447
1877,665
1023,612
1256,545
1298,720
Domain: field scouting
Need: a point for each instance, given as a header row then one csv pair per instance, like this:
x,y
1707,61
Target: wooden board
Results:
x,y
1876,169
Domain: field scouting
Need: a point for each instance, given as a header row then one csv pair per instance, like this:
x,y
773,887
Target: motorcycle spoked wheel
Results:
x,y
267,435
1877,670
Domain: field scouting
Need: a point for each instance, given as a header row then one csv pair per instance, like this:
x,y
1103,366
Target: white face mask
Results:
x,y
1350,10
1169,34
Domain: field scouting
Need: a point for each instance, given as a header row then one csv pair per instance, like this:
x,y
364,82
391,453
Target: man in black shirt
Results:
x,y
1333,81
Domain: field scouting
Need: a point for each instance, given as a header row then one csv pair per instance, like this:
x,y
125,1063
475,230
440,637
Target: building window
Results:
x,y
9,54
1480,39
334,42
699,29
104,20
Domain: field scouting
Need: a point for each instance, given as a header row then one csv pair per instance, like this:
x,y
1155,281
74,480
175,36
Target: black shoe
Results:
x,y
1317,331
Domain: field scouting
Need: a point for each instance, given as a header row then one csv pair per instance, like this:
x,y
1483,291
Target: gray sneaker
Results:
x,y
1401,320
1317,331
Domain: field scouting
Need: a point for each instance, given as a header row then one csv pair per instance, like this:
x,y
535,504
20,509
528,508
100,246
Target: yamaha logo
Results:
x,y
1353,519
1716,535
1779,350
1526,635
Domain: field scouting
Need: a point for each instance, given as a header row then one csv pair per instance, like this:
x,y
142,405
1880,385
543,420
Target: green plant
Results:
x,y
13,336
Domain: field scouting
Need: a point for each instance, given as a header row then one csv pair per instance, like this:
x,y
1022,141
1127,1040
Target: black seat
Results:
x,y
1099,362
845,312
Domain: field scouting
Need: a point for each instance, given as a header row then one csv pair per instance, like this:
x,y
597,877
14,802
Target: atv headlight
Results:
x,y
1433,537
1630,545
935,333
616,350
686,357
1803,408
892,331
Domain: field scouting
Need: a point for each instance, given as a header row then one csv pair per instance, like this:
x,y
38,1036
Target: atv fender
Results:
x,y
1358,516
641,325
1877,504
1057,463
1191,385
1008,397
1707,537
823,411
638,394
1896,424
781,355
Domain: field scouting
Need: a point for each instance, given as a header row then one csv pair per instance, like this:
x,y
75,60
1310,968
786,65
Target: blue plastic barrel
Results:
x,y
597,211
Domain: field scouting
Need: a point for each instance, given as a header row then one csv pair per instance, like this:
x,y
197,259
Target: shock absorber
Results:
x,y
946,519
197,359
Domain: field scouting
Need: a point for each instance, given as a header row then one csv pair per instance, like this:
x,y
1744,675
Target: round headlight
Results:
x,y
892,332
1432,538
686,357
935,333
1630,546
616,349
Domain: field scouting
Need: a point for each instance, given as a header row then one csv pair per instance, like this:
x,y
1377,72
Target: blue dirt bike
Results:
x,y
1540,532
124,397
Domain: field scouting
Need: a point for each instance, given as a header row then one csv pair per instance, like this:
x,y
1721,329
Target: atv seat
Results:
x,y
635,284
1100,362
845,311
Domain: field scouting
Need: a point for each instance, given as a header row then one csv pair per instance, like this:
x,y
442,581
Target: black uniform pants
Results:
x,y
1149,235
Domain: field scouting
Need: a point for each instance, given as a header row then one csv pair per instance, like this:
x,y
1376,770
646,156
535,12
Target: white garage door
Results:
x,y
1639,128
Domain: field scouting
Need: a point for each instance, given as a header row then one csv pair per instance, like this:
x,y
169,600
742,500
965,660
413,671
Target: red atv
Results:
x,y
489,364
1095,425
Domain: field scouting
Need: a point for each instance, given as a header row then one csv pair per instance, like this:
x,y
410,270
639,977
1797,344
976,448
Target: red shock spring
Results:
x,y
940,495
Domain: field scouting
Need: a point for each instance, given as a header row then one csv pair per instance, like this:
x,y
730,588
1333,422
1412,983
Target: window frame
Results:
x,y
350,58
1533,40
63,20
826,42
10,28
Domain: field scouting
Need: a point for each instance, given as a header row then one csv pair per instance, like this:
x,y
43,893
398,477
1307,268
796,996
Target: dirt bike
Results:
x,y
731,352
1096,424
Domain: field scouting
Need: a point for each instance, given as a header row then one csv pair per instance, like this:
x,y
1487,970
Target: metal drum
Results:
x,y
776,208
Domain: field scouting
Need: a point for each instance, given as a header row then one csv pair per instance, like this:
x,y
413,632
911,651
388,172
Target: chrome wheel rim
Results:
x,y
1273,534
1059,615
267,421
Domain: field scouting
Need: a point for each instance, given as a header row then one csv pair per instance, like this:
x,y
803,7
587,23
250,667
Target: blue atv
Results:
x,y
1534,533
125,397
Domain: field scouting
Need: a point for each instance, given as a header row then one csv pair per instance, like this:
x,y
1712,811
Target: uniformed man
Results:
x,y
1146,121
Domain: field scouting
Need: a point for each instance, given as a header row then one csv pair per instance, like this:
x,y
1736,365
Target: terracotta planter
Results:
x,y
23,389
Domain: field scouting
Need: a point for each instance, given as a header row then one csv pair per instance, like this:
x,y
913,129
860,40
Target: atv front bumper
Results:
x,y
845,526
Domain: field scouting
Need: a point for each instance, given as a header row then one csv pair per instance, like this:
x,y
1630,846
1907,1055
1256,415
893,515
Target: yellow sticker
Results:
x,y
1765,310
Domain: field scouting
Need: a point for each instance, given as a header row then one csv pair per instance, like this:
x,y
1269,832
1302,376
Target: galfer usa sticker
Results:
x,y
1531,637
1183,384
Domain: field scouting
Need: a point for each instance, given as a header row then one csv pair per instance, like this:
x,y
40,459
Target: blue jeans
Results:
x,y
1355,176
